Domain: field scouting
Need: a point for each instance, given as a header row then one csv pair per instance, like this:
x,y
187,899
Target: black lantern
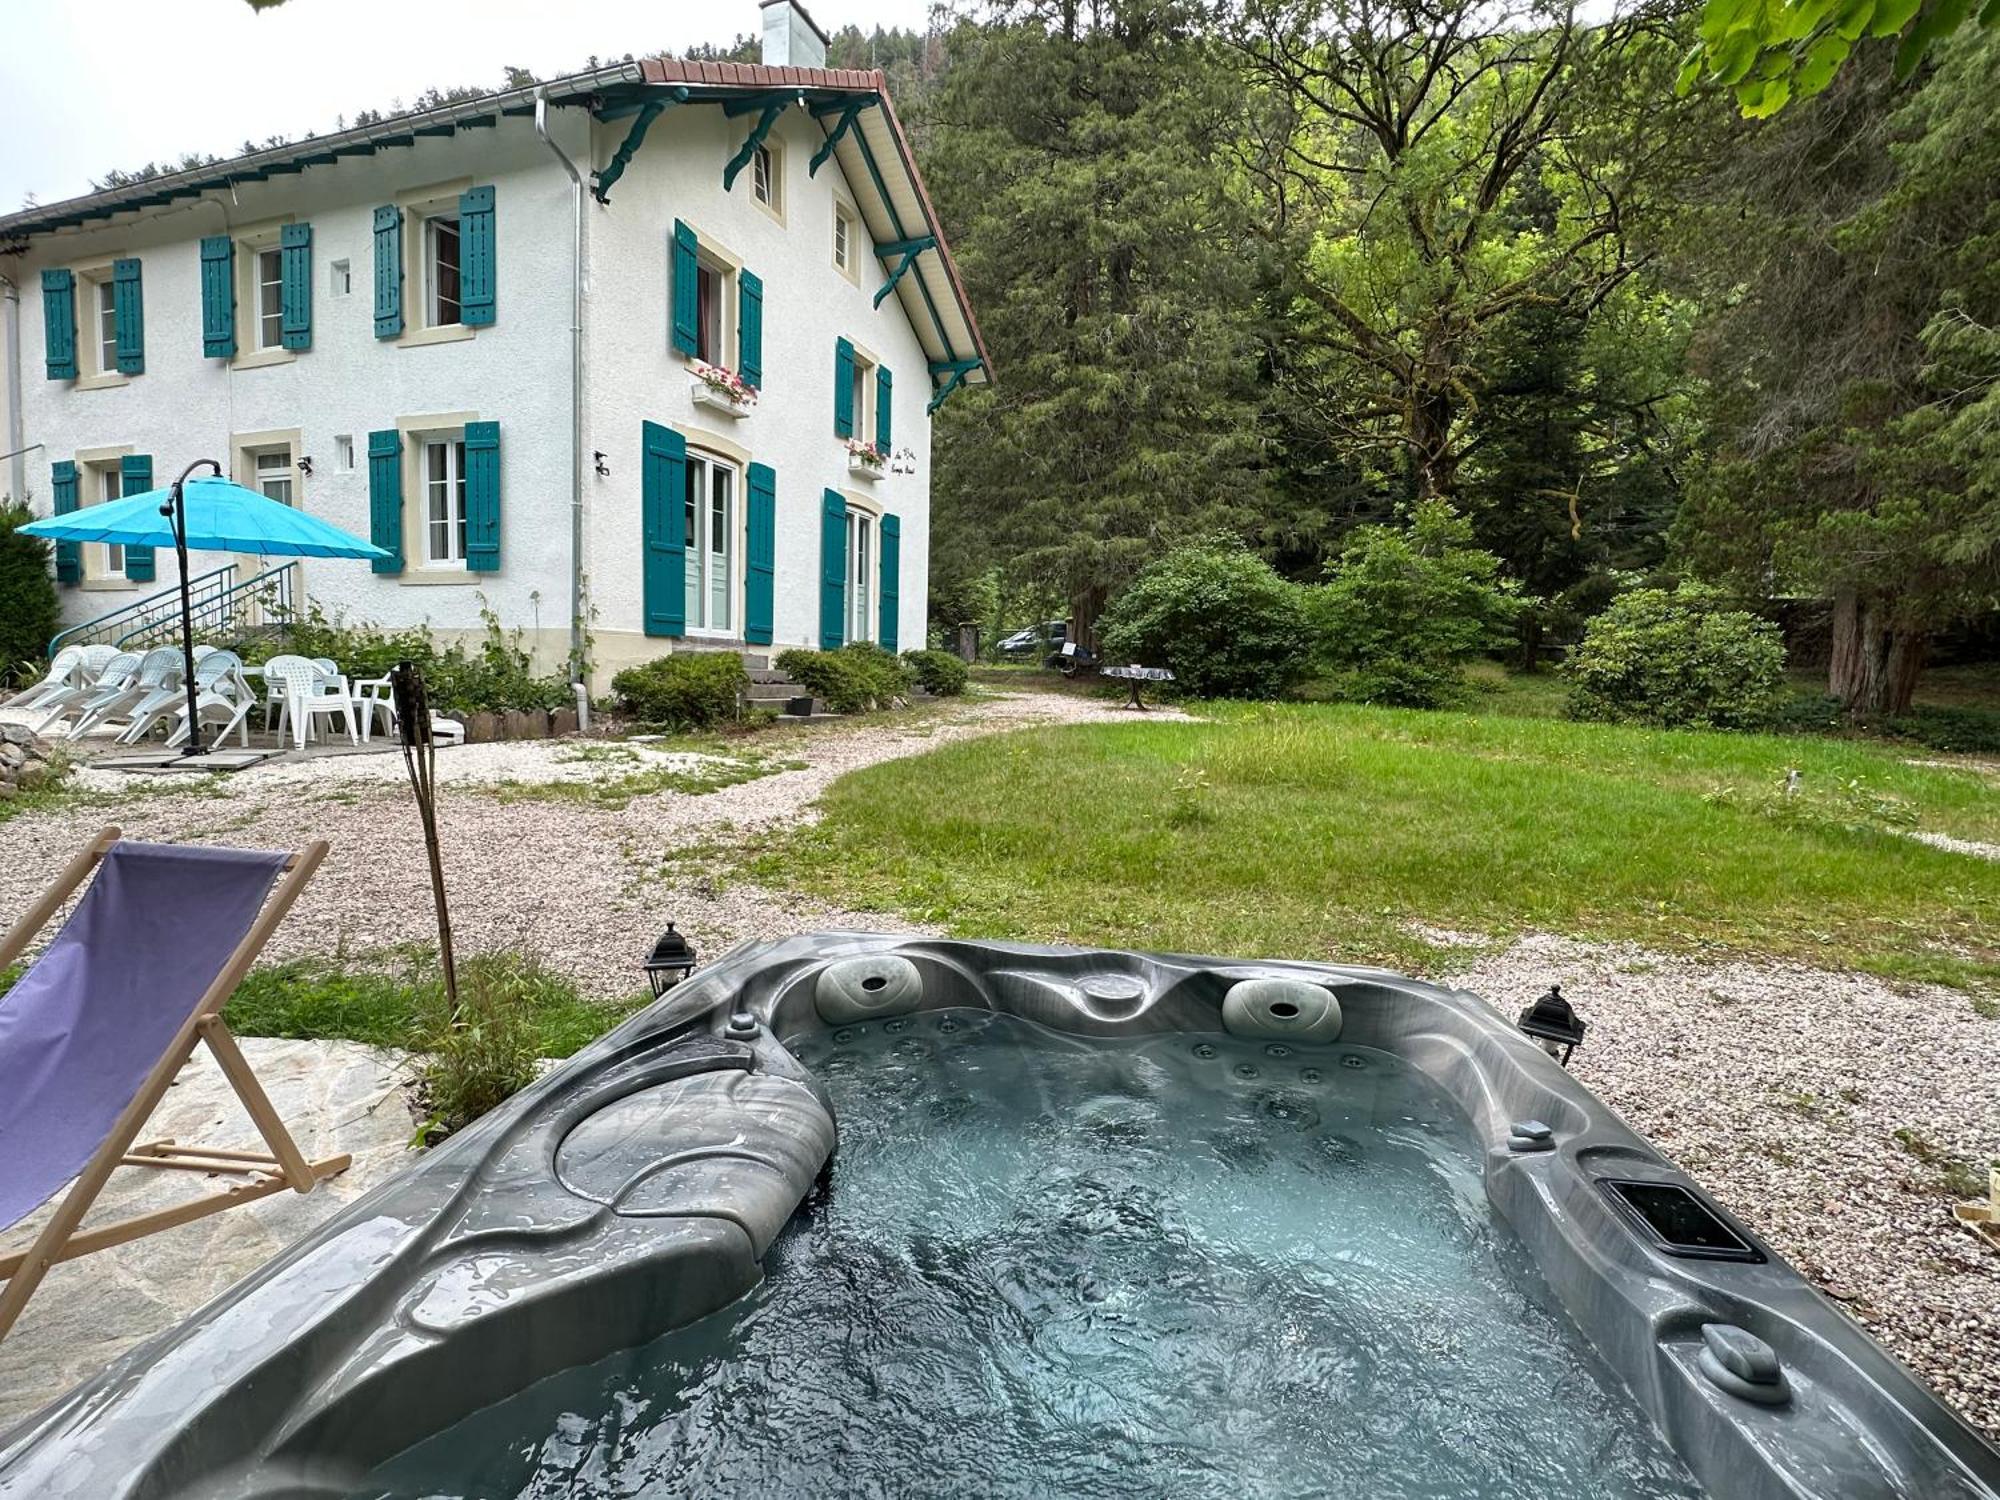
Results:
x,y
671,961
1552,1022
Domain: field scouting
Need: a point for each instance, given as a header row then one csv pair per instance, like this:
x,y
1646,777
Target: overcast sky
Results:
x,y
88,87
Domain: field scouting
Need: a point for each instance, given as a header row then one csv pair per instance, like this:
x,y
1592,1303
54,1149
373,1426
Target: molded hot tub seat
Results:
x,y
638,1187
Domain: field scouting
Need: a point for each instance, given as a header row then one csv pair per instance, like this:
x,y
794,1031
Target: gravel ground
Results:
x,y
581,885
1822,1108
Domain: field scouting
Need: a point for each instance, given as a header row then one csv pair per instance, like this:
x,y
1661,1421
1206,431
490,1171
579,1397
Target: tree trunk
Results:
x,y
1434,461
1086,603
1875,662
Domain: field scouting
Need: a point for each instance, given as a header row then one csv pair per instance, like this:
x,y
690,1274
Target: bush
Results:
x,y
29,614
494,676
1674,659
1407,607
938,672
687,690
1217,616
857,678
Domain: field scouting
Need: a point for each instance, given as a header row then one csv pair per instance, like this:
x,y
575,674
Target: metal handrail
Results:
x,y
274,588
166,599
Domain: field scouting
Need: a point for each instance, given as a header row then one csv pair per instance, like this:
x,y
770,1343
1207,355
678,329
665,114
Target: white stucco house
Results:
x,y
613,356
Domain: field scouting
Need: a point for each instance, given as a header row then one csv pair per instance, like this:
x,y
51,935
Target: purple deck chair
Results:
x,y
94,1032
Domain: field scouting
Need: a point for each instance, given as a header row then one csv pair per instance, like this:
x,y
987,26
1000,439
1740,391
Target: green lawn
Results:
x,y
1323,830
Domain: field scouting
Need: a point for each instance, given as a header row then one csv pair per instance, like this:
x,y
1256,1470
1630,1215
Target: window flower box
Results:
x,y
723,390
865,460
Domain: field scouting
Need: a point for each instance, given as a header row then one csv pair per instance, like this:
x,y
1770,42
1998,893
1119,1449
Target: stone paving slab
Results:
x,y
335,1096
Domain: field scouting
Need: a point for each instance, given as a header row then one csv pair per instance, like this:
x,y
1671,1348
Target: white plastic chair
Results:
x,y
81,681
223,696
160,675
274,689
309,694
58,676
216,671
116,678
375,694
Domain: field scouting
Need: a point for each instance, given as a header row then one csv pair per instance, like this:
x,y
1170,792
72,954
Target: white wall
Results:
x,y
634,375
185,406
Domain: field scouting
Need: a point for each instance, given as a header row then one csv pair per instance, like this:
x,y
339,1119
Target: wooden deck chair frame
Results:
x,y
258,1174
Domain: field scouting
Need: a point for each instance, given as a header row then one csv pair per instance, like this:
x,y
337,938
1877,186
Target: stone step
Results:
x,y
768,675
774,692
756,661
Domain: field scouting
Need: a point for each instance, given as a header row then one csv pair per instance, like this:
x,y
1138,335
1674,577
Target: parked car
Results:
x,y
1048,635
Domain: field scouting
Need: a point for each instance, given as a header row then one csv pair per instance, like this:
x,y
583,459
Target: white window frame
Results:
x,y
339,278
865,366
431,229
723,269
343,452
96,326
268,321
104,314
262,475
864,539
452,447
110,486
846,229
699,568
253,243
767,178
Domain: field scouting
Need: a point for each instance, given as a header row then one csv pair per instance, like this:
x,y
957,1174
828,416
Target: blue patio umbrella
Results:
x,y
209,514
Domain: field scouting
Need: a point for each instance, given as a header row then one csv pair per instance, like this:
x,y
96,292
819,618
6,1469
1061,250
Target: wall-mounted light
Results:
x,y
306,467
603,469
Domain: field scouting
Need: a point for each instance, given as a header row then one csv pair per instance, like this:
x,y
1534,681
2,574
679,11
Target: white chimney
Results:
x,y
791,40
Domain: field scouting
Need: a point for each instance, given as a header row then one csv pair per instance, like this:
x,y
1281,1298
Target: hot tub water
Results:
x,y
1173,1266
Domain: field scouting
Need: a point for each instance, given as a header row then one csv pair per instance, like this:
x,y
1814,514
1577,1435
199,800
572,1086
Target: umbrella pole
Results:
x,y
175,510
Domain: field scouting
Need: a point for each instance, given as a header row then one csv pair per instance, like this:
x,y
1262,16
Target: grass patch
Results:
x,y
619,786
392,999
1322,831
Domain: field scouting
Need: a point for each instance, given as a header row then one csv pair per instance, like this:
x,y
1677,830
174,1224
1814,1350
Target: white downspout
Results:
x,y
576,623
17,440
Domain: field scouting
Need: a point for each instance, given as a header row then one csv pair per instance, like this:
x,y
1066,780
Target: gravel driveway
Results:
x,y
581,885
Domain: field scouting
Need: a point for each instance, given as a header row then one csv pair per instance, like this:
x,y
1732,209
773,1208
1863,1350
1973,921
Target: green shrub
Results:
x,y
29,614
938,672
1969,730
1406,607
495,675
687,690
1215,615
857,678
1674,659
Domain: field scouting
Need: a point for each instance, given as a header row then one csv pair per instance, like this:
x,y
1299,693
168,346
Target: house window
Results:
x,y
441,269
711,543
106,303
340,280
712,309
444,503
860,575
343,452
273,469
764,179
110,486
843,242
270,299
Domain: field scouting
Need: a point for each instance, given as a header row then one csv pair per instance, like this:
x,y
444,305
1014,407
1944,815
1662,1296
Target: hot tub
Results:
x,y
1099,1222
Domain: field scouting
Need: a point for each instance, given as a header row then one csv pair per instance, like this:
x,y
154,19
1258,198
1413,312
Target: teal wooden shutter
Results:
x,y
128,320
832,571
482,497
385,498
760,578
62,488
662,503
135,477
295,290
884,428
750,328
59,326
843,388
388,271
218,297
475,257
686,290
890,593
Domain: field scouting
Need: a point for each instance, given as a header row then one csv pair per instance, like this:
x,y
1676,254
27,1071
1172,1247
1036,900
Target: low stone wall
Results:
x,y
518,724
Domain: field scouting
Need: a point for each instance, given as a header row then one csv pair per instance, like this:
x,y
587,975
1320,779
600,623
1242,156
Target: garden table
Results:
x,y
1133,676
